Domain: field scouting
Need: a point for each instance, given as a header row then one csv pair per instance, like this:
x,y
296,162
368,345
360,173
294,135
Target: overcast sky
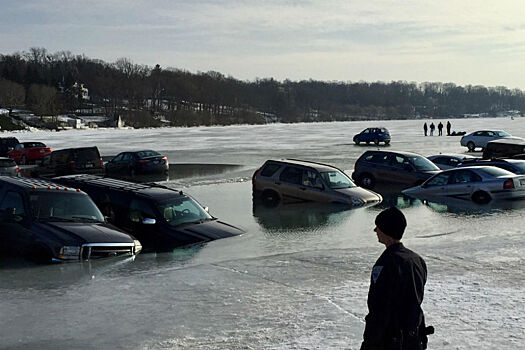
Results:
x,y
478,42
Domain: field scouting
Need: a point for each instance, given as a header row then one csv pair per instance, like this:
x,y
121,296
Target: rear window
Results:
x,y
33,144
87,154
269,169
7,162
380,158
144,154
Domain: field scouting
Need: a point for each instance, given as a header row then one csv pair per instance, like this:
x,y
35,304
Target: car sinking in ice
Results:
x,y
481,184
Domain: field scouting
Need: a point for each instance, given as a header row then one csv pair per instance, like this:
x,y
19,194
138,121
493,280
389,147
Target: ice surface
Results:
x,y
298,279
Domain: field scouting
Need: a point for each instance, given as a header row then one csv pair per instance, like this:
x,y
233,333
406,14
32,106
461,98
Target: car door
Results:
x,y
290,181
313,188
463,183
112,165
16,153
400,171
147,233
436,186
15,230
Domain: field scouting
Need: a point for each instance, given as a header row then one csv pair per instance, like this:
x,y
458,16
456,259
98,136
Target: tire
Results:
x,y
387,142
357,142
270,198
481,197
366,180
376,141
471,146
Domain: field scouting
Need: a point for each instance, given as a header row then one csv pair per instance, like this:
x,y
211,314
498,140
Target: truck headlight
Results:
x,y
69,252
138,246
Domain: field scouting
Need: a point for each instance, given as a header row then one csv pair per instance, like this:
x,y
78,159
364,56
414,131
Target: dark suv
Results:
x,y
83,160
45,222
160,217
374,135
7,144
392,167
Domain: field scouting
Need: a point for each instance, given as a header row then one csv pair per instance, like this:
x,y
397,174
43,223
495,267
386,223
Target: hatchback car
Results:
x,y
392,167
161,217
449,161
375,135
293,180
480,138
480,184
138,162
46,222
28,152
83,160
8,167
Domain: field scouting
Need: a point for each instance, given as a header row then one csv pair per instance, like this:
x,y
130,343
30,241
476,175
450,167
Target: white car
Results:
x,y
481,184
449,161
481,137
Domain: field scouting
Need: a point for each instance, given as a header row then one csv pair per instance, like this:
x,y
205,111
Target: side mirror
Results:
x,y
149,221
206,209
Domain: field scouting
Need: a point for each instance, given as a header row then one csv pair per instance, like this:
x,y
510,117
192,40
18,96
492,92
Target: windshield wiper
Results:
x,y
55,218
84,219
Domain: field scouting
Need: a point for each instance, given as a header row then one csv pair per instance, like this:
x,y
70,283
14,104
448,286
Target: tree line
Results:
x,y
50,84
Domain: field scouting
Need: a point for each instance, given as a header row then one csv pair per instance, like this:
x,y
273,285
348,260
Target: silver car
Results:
x,y
481,184
8,167
480,138
291,180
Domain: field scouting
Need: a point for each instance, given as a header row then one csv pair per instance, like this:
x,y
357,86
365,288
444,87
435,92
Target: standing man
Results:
x,y
448,128
440,129
432,127
395,319
425,128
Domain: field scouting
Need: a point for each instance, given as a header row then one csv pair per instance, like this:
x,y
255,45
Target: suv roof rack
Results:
x,y
309,161
117,184
30,182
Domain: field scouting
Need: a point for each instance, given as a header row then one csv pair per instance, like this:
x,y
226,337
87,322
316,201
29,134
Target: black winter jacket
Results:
x,y
395,319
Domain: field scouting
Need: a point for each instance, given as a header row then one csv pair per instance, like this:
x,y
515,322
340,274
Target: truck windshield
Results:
x,y
182,210
61,205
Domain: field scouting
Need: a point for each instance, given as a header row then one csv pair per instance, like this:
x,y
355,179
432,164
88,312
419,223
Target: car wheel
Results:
x,y
471,146
387,142
24,160
270,198
366,180
357,141
481,197
376,141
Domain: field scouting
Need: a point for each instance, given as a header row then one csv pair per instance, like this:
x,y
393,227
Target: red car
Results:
x,y
27,152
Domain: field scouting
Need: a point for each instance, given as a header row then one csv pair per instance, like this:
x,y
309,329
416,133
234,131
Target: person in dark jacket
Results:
x,y
448,128
395,319
425,128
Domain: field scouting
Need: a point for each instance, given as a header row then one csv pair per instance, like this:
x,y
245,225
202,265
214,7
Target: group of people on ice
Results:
x,y
440,128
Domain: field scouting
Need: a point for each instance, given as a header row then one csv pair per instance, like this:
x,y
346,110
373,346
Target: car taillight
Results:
x,y
72,165
101,163
143,162
165,159
508,184
17,170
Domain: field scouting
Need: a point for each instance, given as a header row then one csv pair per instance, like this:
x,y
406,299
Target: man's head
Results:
x,y
391,222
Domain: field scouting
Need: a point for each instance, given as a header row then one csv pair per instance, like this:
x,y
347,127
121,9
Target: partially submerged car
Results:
x,y
515,166
375,135
479,139
161,217
396,167
480,184
504,148
81,160
450,160
46,222
294,180
137,162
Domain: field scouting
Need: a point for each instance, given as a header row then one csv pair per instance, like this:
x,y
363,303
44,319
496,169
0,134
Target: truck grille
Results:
x,y
104,250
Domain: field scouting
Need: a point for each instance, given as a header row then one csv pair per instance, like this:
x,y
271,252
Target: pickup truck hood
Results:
x,y
86,232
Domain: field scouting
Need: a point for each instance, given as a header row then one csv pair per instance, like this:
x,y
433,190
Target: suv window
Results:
x,y
399,162
60,157
378,158
139,209
310,178
291,175
86,154
13,200
269,169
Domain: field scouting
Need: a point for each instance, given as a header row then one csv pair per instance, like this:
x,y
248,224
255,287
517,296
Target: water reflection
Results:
x,y
299,216
467,207
392,197
179,171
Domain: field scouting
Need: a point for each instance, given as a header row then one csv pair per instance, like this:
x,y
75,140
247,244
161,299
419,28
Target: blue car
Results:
x,y
374,135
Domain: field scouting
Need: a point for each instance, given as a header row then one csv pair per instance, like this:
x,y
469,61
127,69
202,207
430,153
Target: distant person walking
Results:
x,y
432,128
449,126
395,319
425,128
440,129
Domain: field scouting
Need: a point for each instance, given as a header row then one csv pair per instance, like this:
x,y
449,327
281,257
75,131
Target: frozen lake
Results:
x,y
298,278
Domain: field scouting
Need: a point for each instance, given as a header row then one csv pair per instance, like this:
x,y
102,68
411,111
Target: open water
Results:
x,y
298,278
